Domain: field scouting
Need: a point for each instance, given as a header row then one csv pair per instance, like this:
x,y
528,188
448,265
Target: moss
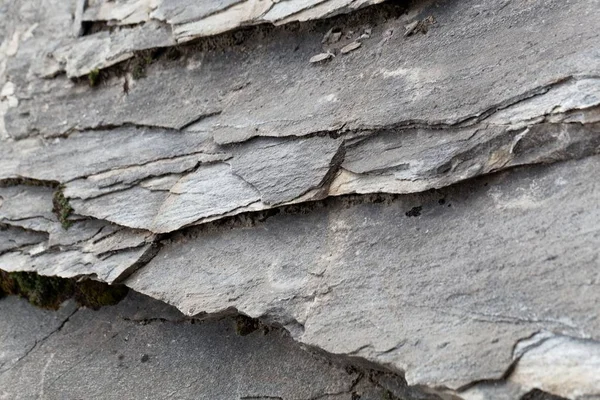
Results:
x,y
245,325
94,294
41,291
387,395
94,77
27,182
138,71
62,208
50,292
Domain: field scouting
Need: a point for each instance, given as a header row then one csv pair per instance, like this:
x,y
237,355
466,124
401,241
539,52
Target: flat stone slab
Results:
x,y
463,273
411,185
141,349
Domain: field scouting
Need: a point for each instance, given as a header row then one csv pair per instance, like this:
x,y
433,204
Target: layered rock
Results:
x,y
463,137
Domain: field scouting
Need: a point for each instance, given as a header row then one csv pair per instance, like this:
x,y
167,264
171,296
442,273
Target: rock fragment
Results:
x,y
321,57
350,47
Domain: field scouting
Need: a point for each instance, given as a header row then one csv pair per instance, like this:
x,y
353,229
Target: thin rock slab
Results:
x,y
283,170
441,285
140,349
442,78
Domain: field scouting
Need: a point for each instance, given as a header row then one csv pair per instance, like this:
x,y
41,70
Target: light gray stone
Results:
x,y
211,189
449,281
124,12
464,280
89,153
283,170
13,237
104,49
421,159
392,92
562,365
29,207
138,350
22,328
184,11
32,239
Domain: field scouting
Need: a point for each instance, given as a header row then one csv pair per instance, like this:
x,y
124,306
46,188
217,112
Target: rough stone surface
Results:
x,y
545,114
140,349
425,203
462,273
23,327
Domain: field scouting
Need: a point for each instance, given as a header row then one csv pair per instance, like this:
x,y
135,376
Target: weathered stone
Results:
x,y
12,237
454,281
483,289
318,101
29,207
283,170
89,153
22,327
562,365
104,49
210,190
138,349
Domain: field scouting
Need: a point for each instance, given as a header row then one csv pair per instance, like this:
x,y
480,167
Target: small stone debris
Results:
x,y
332,36
411,28
419,26
366,34
321,57
350,47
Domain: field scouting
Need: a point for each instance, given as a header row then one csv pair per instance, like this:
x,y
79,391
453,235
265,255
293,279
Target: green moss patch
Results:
x,y
62,208
49,292
94,77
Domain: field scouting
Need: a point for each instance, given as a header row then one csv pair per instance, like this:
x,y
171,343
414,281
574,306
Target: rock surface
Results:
x,y
449,273
140,349
425,203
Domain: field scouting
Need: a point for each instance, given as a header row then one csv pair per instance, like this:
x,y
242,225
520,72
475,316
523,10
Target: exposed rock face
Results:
x,y
141,349
206,171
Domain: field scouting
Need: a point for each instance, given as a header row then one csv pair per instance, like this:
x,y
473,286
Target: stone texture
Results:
x,y
23,327
540,117
440,285
192,151
285,170
32,239
139,349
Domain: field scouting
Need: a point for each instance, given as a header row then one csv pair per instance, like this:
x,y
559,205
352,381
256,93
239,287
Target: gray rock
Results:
x,y
29,207
139,350
13,237
84,154
103,49
452,56
283,170
479,285
185,11
447,273
32,239
210,190
125,12
421,159
22,328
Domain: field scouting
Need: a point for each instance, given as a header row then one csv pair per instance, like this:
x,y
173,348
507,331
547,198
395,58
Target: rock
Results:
x,y
350,47
138,349
395,285
23,327
423,210
321,57
285,170
410,28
